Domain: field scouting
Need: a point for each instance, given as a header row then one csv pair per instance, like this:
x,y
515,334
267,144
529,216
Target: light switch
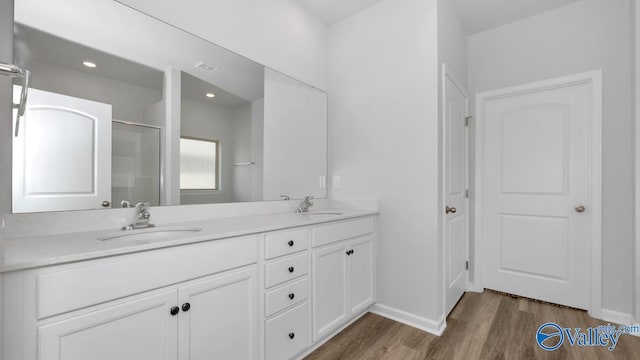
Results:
x,y
336,181
322,182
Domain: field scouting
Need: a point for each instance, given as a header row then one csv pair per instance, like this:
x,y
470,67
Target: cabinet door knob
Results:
x,y
105,204
290,243
175,310
291,269
291,296
292,335
186,307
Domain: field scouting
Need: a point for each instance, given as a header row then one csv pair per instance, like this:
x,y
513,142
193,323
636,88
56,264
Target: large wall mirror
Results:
x,y
123,108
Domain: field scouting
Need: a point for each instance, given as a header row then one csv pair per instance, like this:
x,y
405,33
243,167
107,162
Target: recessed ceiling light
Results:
x,y
211,95
89,64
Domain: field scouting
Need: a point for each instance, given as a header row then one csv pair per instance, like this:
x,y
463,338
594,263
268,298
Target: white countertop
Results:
x,y
19,253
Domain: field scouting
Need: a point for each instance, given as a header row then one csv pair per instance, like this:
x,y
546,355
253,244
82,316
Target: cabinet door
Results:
x,y
360,264
329,289
221,322
140,329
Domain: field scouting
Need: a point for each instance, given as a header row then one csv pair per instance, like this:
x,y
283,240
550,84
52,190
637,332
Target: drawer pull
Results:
x,y
290,243
291,269
291,296
292,335
174,311
186,307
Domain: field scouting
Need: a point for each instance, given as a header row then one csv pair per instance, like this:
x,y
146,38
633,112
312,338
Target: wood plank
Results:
x,y
482,326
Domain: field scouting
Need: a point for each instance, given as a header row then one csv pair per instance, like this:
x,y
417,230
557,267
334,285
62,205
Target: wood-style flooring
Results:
x,y
482,326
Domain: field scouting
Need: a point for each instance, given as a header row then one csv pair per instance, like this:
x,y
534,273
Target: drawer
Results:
x,y
66,288
286,242
279,271
288,334
326,234
288,295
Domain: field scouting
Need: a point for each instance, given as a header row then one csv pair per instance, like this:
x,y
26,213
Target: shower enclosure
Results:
x,y
135,163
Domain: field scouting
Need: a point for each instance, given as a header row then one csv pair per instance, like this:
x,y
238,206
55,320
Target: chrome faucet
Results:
x,y
141,218
305,204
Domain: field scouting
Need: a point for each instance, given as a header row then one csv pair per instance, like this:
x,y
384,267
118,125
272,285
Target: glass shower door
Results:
x,y
135,163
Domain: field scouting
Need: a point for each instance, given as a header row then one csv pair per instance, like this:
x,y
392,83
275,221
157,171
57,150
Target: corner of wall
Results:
x,y
435,327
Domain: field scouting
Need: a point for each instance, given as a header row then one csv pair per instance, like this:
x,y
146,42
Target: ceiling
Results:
x,y
38,46
149,42
332,11
481,15
477,15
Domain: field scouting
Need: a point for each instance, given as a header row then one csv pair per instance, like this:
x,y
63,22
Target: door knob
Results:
x,y
451,210
105,203
580,208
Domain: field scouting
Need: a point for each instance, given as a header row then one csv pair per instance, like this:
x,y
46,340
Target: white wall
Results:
x,y
383,141
129,101
208,121
452,41
242,153
6,121
257,140
6,124
279,34
295,138
636,112
582,36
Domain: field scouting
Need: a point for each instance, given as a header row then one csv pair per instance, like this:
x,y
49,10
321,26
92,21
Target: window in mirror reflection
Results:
x,y
199,164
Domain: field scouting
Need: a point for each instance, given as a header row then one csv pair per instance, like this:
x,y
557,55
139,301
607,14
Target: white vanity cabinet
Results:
x,y
189,302
137,329
287,288
343,273
267,296
198,319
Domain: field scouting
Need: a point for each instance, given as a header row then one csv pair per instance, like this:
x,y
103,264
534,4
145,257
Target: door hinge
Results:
x,y
466,265
466,193
467,120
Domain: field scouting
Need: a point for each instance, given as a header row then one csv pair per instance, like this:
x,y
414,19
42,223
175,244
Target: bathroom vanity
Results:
x,y
270,286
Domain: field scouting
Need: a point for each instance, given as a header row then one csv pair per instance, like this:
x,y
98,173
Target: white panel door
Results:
x,y
218,318
62,154
536,182
140,329
329,288
455,192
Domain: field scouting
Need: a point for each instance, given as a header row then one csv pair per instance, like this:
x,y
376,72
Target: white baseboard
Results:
x,y
619,318
422,323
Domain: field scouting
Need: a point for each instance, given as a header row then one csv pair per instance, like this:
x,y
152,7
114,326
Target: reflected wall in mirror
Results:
x,y
270,130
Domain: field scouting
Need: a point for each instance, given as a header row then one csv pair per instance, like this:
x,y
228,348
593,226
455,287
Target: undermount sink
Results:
x,y
321,212
150,234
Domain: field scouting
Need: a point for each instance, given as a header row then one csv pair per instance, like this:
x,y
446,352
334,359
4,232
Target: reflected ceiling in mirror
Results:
x,y
106,53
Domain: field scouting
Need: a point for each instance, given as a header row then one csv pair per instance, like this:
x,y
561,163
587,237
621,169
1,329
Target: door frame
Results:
x,y
447,74
594,80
